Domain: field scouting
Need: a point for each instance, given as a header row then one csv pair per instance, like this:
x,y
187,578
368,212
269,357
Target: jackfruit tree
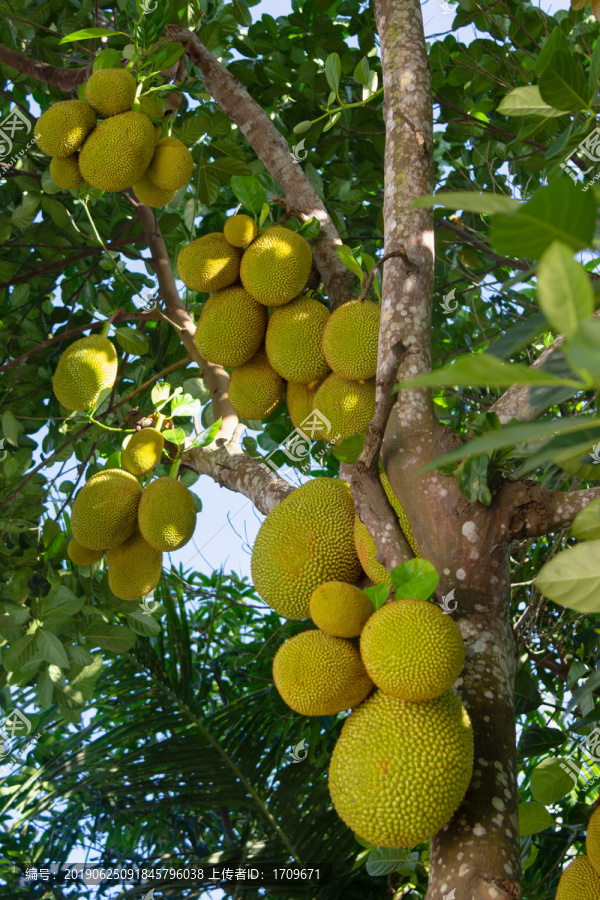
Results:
x,y
339,258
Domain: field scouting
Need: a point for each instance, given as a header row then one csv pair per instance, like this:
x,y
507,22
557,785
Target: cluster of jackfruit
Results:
x,y
404,758
581,879
323,362
125,149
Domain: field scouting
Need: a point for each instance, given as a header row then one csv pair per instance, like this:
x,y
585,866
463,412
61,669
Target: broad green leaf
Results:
x,y
227,166
533,817
333,71
51,649
131,341
468,201
563,83
209,184
586,524
527,101
485,370
241,13
44,689
531,858
143,623
378,594
472,476
107,59
556,41
582,350
594,68
160,392
59,605
383,861
185,405
88,676
564,291
562,211
174,435
310,229
196,387
538,740
347,259
416,579
208,435
11,428
527,696
19,653
550,783
348,450
117,638
361,72
79,656
24,214
166,57
87,33
249,192
572,577
193,128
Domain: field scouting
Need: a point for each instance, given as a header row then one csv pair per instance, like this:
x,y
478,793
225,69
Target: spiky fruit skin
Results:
x,y
276,266
147,192
320,675
117,152
134,568
240,230
579,881
231,327
143,451
80,555
412,650
305,541
367,553
300,400
105,510
110,91
399,770
340,609
209,263
592,841
293,341
350,340
402,518
172,164
348,405
65,172
167,514
151,107
255,388
85,369
63,128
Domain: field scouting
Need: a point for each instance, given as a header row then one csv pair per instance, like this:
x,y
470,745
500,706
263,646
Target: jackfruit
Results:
x,y
592,841
340,609
118,151
81,556
86,368
65,172
110,91
402,518
147,192
255,388
240,230
412,650
300,400
305,541
293,341
172,164
105,510
579,881
276,266
167,514
231,327
367,553
134,568
399,770
143,451
320,675
63,128
350,340
209,263
151,107
348,405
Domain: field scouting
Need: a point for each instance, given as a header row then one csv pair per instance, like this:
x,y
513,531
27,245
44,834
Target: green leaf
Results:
x,y
24,214
555,41
227,166
193,128
383,861
527,696
131,341
209,184
348,450
563,83
160,392
241,13
586,524
196,387
107,59
550,783
562,211
415,579
594,68
564,290
378,594
533,817
117,638
59,605
207,436
10,428
361,72
166,57
174,435
572,577
20,653
45,689
184,405
310,229
468,201
472,476
582,350
485,370
538,740
51,649
87,33
527,101
346,257
333,71
143,623
249,192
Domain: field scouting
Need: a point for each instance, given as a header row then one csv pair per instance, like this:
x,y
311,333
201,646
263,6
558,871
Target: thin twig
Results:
x,y
410,265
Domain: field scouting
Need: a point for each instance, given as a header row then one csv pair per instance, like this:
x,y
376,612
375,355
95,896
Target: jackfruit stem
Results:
x,y
174,470
159,421
105,329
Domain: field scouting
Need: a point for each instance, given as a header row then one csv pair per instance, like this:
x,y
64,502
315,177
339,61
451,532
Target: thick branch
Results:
x,y
216,378
272,148
66,80
537,511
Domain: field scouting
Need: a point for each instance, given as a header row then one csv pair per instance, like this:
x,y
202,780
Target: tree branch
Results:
x,y
536,511
272,148
473,241
67,80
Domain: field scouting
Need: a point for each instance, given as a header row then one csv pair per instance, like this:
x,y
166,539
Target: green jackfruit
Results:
x,y
167,514
300,400
350,340
86,368
276,266
348,405
579,881
255,388
151,107
65,172
209,263
118,151
63,128
134,568
147,192
231,327
110,91
240,230
402,518
293,341
340,609
592,841
367,553
105,510
172,164
143,451
81,556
